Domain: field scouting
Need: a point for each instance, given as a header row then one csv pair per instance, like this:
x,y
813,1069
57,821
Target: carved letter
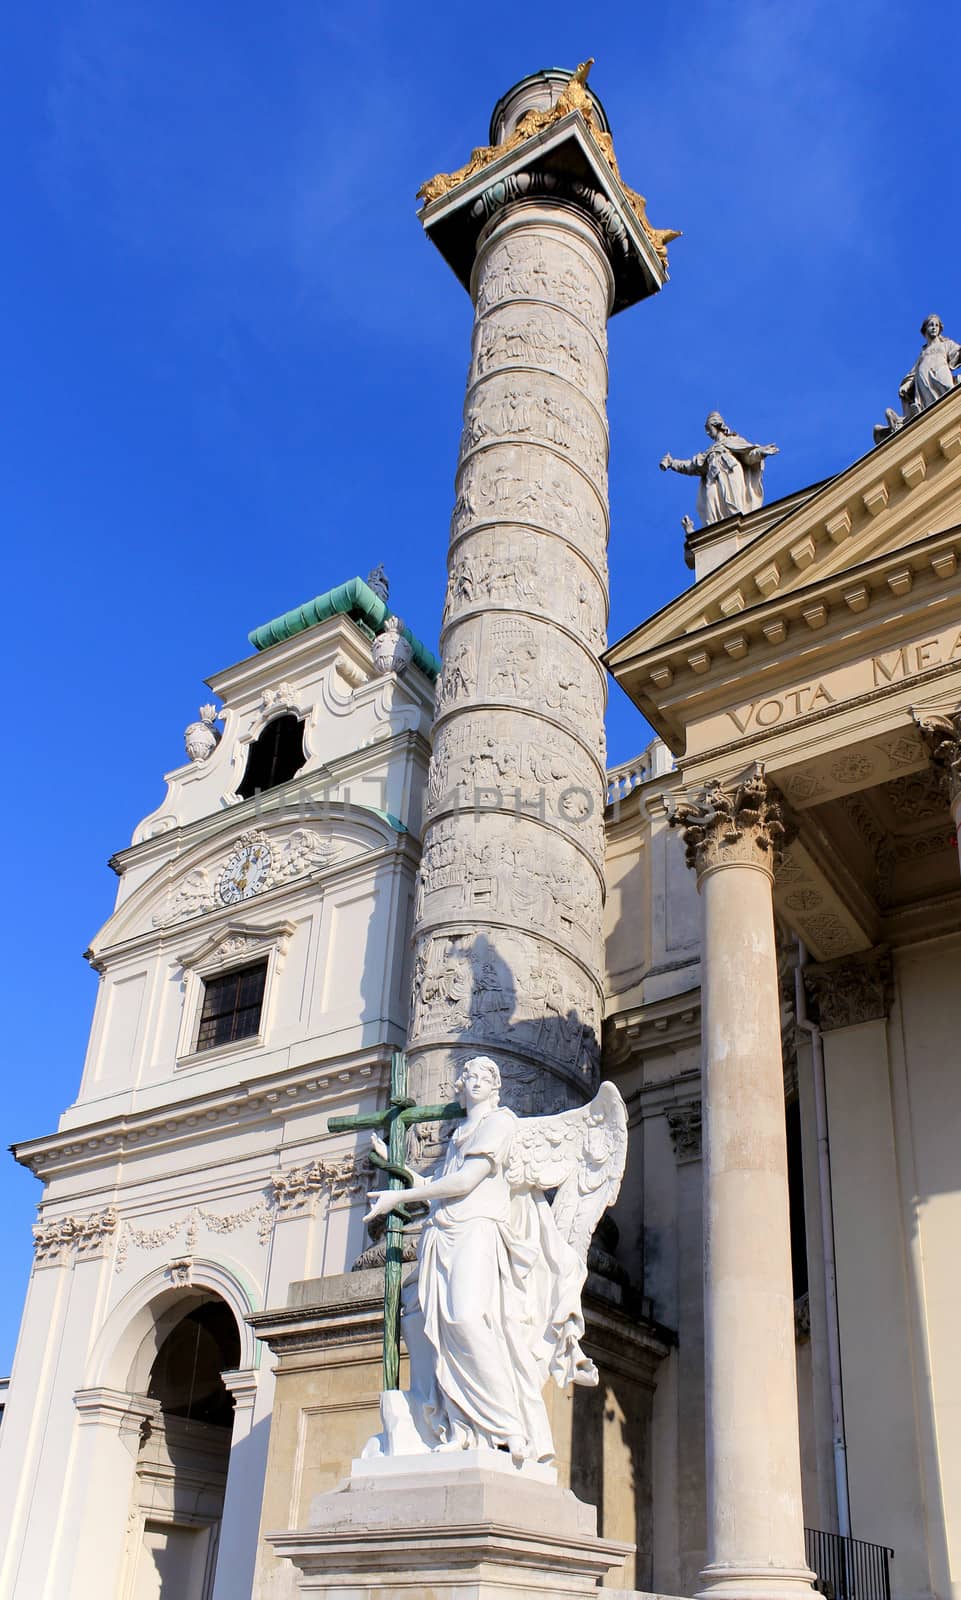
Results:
x,y
742,726
896,670
821,693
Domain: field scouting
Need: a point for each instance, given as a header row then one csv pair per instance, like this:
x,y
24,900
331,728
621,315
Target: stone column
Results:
x,y
755,1533
507,941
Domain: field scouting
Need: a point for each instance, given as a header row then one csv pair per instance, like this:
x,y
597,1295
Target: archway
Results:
x,y
181,1473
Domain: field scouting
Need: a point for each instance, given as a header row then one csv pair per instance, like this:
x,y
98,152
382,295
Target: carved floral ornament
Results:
x,y
856,988
740,822
292,1192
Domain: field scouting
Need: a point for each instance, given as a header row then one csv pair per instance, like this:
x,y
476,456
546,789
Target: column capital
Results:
x,y
551,141
739,823
684,1125
942,736
855,988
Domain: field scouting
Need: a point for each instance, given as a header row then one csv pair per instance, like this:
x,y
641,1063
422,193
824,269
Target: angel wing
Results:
x,y
579,1153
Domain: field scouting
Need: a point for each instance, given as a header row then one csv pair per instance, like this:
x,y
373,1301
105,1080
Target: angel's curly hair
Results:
x,y
491,1069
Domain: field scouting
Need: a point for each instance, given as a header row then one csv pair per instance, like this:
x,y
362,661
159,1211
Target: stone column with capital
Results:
x,y
755,1533
508,952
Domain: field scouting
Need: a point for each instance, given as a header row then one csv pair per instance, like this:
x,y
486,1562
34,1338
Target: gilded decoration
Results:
x,y
573,98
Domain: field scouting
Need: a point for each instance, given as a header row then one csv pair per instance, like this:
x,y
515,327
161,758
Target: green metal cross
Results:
x,y
399,1114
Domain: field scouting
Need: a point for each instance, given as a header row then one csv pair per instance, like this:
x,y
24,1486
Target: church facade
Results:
x,y
752,930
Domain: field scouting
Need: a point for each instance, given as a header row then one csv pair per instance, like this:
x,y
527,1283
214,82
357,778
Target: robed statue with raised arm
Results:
x,y
494,1307
731,471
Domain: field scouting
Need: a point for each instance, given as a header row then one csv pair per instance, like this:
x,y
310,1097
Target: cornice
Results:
x,y
868,502
273,805
400,847
869,608
637,1031
192,1119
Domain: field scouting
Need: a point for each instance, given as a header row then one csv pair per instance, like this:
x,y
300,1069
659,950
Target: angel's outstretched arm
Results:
x,y
452,1187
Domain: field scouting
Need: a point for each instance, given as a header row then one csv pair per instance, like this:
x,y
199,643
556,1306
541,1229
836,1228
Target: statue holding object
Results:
x,y
495,1306
731,471
934,374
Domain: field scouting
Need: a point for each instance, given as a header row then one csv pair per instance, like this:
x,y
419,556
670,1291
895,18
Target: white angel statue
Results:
x,y
494,1308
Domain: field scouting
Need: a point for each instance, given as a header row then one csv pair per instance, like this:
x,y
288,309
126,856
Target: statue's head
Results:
x,y
715,424
931,327
480,1073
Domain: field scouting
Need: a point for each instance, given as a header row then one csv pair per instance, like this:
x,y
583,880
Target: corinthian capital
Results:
x,y
942,735
727,824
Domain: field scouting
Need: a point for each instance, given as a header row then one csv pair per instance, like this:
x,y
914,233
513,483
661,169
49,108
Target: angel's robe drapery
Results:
x,y
494,1307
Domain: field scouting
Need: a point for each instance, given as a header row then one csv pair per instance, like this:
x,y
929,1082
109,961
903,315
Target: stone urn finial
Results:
x,y
391,651
202,738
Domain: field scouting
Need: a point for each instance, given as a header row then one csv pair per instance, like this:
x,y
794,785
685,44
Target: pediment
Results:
x,y
240,871
901,492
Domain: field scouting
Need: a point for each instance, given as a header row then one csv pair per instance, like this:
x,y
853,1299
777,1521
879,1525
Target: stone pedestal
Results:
x,y
465,1526
326,1344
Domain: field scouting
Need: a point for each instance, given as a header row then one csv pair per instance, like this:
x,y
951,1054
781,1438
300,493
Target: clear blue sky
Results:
x,y
233,368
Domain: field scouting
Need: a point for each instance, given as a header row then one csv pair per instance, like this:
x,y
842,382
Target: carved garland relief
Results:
x,y
253,865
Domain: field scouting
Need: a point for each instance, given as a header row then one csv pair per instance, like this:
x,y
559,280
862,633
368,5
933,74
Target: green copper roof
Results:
x,y
352,599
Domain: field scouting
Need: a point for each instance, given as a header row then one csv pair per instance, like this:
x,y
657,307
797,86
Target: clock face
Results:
x,y
244,873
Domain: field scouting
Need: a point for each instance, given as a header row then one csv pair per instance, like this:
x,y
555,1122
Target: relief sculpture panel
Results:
x,y
506,483
507,869
519,764
501,567
506,990
509,406
552,270
528,336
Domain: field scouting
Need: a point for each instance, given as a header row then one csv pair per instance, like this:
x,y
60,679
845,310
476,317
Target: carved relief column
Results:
x,y
755,1523
508,950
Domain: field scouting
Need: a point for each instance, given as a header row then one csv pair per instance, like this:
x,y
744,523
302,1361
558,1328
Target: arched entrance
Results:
x,y
184,1452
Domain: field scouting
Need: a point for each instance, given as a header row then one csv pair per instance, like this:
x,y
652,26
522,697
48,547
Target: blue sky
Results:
x,y
234,367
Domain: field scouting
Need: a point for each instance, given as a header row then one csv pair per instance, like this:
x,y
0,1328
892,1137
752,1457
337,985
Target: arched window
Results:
x,y
184,1456
185,1376
275,757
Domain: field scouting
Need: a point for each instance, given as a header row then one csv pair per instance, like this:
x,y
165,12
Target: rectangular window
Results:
x,y
232,1006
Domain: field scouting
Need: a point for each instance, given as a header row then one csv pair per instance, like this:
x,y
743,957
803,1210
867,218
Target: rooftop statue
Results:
x,y
933,374
495,1306
731,471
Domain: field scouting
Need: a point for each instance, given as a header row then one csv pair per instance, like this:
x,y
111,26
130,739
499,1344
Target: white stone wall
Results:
x,y
179,1173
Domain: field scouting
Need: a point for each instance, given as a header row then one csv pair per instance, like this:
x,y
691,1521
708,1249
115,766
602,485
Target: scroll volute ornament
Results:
x,y
742,822
574,97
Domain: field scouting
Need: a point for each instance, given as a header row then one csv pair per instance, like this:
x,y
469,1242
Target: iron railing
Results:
x,y
848,1569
